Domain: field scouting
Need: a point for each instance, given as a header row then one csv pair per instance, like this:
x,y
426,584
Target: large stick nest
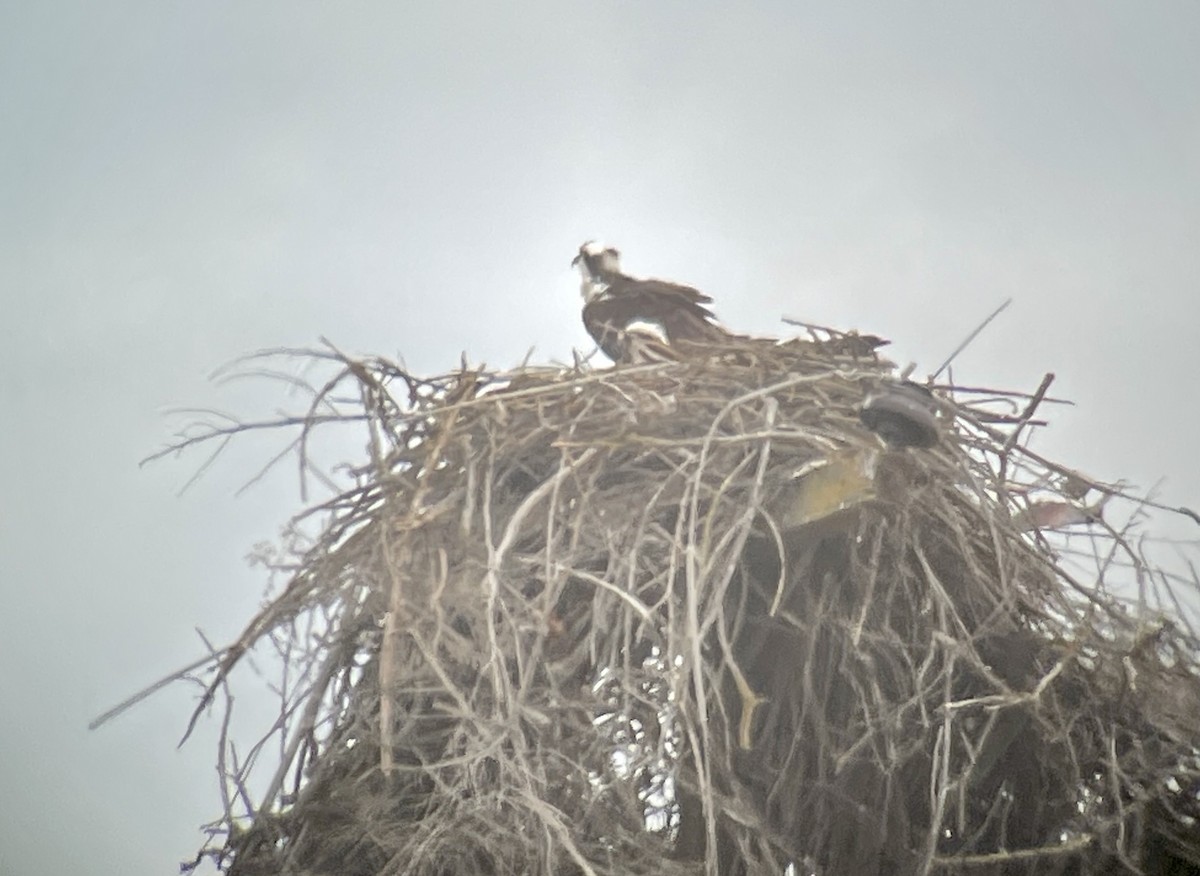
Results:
x,y
693,617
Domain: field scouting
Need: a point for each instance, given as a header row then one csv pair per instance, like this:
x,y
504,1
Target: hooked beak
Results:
x,y
583,251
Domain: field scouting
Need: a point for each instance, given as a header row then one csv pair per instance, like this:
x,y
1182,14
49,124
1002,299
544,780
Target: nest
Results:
x,y
694,617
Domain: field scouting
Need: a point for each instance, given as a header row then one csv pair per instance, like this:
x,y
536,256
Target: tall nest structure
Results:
x,y
696,618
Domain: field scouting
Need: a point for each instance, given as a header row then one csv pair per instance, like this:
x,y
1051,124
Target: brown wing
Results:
x,y
680,310
606,324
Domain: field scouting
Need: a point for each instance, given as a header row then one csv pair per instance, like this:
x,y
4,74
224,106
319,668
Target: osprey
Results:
x,y
636,320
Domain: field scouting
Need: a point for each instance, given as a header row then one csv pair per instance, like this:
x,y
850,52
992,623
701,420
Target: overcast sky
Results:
x,y
185,182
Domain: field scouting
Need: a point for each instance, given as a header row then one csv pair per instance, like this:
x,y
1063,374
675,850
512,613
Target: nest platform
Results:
x,y
695,618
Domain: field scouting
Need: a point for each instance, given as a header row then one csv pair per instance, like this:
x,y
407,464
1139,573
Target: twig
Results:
x,y
970,337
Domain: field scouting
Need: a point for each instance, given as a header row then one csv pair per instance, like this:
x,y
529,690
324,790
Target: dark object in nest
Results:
x,y
904,414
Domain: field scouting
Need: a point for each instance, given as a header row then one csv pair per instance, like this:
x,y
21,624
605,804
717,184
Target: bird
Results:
x,y
634,320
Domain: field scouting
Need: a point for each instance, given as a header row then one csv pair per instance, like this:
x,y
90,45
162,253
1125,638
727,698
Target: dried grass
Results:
x,y
580,621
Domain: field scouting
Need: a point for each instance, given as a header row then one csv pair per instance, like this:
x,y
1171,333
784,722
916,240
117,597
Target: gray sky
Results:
x,y
184,182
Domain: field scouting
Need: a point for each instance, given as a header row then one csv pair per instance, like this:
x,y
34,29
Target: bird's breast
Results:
x,y
593,290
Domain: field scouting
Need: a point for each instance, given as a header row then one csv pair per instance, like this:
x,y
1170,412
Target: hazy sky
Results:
x,y
184,182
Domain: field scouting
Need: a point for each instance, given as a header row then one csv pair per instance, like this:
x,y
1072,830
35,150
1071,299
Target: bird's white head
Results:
x,y
597,265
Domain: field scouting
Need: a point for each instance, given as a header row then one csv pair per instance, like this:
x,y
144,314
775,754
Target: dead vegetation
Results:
x,y
695,618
